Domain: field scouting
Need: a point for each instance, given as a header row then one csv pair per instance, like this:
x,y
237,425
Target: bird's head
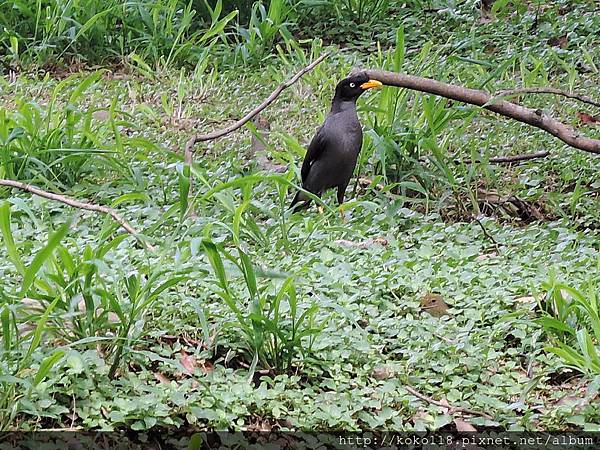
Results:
x,y
349,89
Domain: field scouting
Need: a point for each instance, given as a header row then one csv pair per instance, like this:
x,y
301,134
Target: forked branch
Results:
x,y
533,117
76,204
270,99
451,409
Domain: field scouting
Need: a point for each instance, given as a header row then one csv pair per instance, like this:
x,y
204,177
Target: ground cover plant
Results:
x,y
469,281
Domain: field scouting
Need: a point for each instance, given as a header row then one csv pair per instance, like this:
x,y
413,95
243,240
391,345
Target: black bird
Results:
x,y
333,151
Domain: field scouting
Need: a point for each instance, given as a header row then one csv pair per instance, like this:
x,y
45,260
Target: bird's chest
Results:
x,y
347,139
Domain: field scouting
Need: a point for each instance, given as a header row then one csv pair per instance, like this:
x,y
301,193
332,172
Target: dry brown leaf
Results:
x,y
206,366
102,115
366,182
188,362
525,299
113,318
382,372
485,256
443,403
420,415
587,118
559,41
32,304
350,244
161,378
381,241
363,245
461,425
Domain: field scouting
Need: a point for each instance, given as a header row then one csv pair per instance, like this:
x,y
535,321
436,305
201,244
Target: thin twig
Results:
x,y
59,430
270,99
76,204
511,159
451,409
486,233
444,338
547,90
189,146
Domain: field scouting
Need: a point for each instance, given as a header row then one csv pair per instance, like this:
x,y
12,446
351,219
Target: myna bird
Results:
x,y
331,156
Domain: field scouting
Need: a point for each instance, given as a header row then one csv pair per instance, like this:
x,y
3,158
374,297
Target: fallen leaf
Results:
x,y
101,115
188,362
382,373
525,299
363,245
206,366
461,425
161,378
485,256
420,415
350,244
444,404
32,304
366,182
587,118
381,241
560,41
113,318
363,323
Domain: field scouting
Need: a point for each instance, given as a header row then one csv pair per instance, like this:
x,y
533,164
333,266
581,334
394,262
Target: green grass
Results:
x,y
247,314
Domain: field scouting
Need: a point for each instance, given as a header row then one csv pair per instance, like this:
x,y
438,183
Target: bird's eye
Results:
x,y
352,85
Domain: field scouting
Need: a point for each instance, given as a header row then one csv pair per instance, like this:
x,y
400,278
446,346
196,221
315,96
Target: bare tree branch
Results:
x,y
270,99
509,159
536,118
501,159
518,158
547,90
76,204
451,409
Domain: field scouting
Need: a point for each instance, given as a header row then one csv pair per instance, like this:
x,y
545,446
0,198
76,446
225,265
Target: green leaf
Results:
x,y
184,188
47,365
42,256
39,329
83,85
195,442
6,327
131,197
249,275
9,242
216,262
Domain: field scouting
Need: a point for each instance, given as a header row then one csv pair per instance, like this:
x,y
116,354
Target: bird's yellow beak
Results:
x,y
371,84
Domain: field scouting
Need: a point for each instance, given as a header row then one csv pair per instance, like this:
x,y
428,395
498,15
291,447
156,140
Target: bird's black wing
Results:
x,y
315,148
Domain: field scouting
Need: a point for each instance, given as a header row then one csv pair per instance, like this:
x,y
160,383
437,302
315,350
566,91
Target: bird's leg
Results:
x,y
319,207
340,193
340,197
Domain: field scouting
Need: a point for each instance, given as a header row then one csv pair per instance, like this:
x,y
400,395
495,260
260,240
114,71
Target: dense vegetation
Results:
x,y
246,316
